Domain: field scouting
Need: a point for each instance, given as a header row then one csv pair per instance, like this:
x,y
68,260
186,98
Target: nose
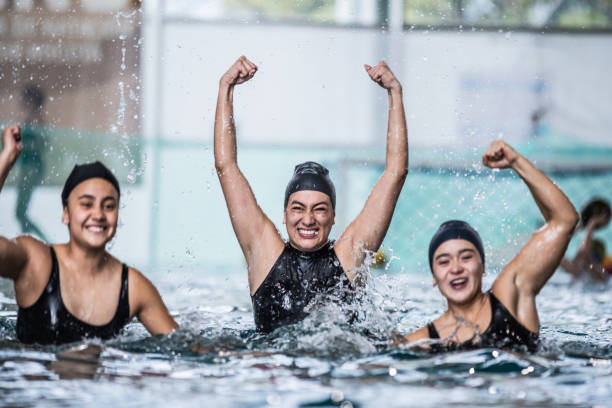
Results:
x,y
308,218
456,267
98,213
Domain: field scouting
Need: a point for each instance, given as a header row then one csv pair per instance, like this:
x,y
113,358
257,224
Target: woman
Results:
x,y
591,261
506,315
285,277
68,292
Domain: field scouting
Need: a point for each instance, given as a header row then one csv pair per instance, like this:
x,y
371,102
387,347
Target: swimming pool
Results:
x,y
322,362
216,358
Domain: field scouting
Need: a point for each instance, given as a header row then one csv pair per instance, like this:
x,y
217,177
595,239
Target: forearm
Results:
x,y
553,203
5,168
397,135
225,129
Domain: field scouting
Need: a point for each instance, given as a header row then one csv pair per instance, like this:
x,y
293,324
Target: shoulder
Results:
x,y
141,289
37,253
31,244
420,334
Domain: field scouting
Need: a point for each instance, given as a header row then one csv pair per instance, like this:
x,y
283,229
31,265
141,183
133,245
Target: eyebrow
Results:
x,y
304,205
461,251
90,197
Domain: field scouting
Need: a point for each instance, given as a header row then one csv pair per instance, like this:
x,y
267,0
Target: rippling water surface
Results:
x,y
217,359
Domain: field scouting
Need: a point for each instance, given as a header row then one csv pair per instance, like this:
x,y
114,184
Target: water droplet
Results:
x,y
337,396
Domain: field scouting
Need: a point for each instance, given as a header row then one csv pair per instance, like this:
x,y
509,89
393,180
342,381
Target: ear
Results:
x,y
65,216
285,216
434,282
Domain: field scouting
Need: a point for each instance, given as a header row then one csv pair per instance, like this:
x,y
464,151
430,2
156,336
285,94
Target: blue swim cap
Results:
x,y
455,229
311,176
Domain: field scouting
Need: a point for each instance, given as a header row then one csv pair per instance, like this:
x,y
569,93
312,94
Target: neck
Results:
x,y
310,250
469,310
87,259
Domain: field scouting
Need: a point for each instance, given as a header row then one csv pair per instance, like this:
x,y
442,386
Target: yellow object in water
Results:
x,y
380,259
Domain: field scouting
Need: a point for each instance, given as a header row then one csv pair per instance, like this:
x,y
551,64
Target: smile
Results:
x,y
96,229
459,283
307,233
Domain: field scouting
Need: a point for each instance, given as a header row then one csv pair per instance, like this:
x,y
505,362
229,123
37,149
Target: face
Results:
x,y
458,270
309,218
92,213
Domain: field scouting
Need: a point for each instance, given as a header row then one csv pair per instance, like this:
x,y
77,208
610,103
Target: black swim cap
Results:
x,y
594,207
311,176
454,229
82,172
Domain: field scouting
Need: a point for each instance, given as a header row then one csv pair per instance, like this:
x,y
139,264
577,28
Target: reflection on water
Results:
x,y
217,359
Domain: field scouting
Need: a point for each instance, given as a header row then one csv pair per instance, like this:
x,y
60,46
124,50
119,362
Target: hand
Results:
x,y
598,221
11,144
499,155
382,75
240,72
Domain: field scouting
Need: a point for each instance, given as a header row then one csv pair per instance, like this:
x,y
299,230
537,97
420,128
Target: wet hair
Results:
x,y
83,172
595,206
455,229
311,176
33,96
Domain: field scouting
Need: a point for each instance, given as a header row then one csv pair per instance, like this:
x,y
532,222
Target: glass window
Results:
x,y
353,12
519,14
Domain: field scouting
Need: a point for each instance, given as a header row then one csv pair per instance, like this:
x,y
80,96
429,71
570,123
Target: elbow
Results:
x,y
399,173
569,221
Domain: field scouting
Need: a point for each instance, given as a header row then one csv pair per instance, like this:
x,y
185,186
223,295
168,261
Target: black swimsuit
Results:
x,y
293,282
504,331
48,321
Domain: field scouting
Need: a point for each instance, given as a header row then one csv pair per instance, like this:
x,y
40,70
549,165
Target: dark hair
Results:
x,y
455,229
311,176
595,206
82,172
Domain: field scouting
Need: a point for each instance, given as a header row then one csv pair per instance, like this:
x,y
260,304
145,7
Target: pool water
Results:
x,y
216,358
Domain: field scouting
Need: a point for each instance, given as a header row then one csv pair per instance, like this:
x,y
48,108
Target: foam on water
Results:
x,y
329,359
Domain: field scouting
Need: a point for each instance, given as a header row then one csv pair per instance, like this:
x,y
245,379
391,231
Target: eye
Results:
x,y
85,204
467,257
110,206
443,262
296,208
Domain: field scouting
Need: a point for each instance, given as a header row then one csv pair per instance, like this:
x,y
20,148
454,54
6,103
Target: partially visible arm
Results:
x,y
13,256
583,258
148,305
368,230
260,241
521,280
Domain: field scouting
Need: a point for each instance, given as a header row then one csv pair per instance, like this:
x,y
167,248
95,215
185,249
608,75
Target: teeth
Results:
x,y
458,281
308,232
95,229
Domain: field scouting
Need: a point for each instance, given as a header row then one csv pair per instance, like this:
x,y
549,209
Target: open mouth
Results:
x,y
307,233
459,283
96,229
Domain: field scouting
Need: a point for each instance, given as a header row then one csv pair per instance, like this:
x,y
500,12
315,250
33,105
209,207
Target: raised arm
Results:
x,y
521,280
13,256
260,241
368,230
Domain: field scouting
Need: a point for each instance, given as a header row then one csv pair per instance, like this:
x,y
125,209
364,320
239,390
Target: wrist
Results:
x,y
395,89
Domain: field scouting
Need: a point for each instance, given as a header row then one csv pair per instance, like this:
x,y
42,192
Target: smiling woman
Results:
x,y
77,290
506,315
285,277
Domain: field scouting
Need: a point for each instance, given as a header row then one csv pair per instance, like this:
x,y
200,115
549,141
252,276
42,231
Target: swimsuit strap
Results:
x,y
433,333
